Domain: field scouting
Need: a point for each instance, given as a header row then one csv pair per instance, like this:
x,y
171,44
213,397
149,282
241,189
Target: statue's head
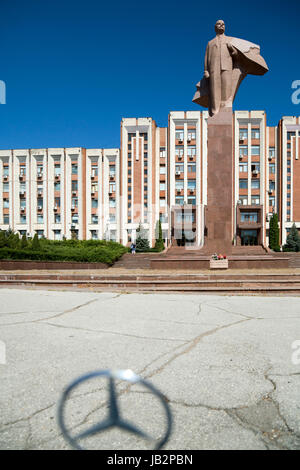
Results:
x,y
220,27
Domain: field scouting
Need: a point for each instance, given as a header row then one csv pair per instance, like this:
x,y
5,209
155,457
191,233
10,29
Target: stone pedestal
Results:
x,y
219,211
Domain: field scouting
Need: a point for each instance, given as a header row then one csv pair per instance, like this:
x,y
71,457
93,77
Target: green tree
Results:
x,y
24,242
293,240
159,243
35,243
274,233
142,242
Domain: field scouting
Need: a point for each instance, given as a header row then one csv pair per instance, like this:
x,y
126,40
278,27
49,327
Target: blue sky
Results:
x,y
73,69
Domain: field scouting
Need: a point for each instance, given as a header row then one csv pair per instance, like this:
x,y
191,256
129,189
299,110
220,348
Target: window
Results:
x,y
74,185
94,188
290,135
163,217
112,218
243,184
179,184
255,134
22,170
243,167
162,152
271,185
179,200
191,134
179,168
94,203
74,218
5,187
255,184
112,203
40,202
22,219
179,151
191,151
249,217
243,150
191,167
255,167
57,218
6,219
255,150
57,186
23,187
94,170
191,184
272,168
244,200
94,234
74,169
74,202
255,200
40,233
272,152
57,234
57,170
6,203
57,202
112,170
162,186
5,171
40,219
112,187
272,201
179,134
22,204
191,200
40,170
162,203
162,170
243,134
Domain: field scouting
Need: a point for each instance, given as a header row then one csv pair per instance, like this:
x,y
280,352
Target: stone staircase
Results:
x,y
137,261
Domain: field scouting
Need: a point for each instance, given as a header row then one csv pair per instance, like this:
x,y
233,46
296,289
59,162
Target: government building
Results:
x,y
158,173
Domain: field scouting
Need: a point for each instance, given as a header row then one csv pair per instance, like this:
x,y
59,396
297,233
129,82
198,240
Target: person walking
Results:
x,y
132,248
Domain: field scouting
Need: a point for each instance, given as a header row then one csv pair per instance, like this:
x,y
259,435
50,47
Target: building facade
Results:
x,y
159,173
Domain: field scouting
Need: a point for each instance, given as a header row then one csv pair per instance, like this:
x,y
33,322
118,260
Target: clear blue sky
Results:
x,y
73,69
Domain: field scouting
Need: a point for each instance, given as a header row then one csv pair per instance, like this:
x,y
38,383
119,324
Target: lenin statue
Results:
x,y
227,62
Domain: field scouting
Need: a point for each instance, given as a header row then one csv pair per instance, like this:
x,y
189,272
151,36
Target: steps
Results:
x,y
137,261
210,283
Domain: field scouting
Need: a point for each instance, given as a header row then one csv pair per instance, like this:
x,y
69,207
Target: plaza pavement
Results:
x,y
224,363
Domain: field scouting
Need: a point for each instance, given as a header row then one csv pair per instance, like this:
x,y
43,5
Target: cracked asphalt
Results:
x,y
223,362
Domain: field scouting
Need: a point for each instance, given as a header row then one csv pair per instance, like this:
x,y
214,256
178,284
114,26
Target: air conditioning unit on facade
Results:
x,y
57,177
22,193
239,202
40,208
270,158
5,177
73,208
254,172
270,191
192,190
74,193
55,208
177,173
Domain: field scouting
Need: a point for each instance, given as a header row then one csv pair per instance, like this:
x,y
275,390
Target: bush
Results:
x,y
274,233
142,242
293,240
91,251
159,243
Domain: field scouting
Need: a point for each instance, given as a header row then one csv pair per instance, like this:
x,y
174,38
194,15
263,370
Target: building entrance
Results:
x,y
249,237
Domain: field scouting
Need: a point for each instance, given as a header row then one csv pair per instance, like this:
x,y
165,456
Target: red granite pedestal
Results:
x,y
219,211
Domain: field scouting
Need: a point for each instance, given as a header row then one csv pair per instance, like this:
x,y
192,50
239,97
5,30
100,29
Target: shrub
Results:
x,y
142,242
159,243
274,233
293,240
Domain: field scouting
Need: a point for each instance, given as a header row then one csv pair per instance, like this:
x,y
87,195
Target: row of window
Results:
x,y
243,134
243,167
